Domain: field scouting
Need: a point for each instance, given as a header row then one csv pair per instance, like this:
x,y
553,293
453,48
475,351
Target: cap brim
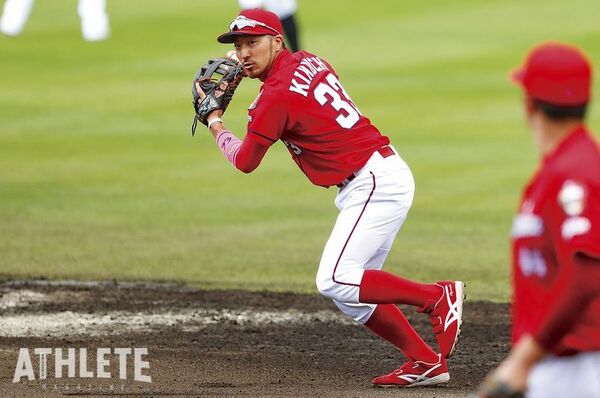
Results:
x,y
517,75
229,37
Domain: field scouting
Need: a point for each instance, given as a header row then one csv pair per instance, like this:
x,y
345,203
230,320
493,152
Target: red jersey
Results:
x,y
559,217
303,104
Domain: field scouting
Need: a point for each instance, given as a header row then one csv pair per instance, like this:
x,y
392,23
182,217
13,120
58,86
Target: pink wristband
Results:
x,y
229,144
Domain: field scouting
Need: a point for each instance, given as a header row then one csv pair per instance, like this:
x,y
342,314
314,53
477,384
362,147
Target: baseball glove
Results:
x,y
218,79
494,388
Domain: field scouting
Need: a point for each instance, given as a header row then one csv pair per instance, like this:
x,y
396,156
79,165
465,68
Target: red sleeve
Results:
x,y
251,153
573,292
267,116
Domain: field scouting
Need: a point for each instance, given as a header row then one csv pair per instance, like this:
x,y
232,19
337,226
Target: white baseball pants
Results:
x,y
372,207
94,19
562,377
14,16
283,8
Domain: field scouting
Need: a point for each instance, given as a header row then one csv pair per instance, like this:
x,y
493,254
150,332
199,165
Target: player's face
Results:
x,y
256,53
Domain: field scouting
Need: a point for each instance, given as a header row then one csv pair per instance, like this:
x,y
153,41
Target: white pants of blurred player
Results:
x,y
372,207
283,8
562,377
94,19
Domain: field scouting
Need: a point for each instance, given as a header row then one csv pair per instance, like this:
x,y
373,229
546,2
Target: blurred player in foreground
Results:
x,y
556,239
94,19
285,10
302,103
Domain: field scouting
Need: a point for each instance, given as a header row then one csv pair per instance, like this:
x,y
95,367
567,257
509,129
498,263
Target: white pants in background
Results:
x,y
565,377
94,18
14,16
372,207
283,8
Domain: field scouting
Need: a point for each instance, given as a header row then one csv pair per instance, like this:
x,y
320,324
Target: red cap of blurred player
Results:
x,y
252,22
556,73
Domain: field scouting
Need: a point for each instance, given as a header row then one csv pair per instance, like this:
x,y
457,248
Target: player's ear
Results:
x,y
279,44
529,105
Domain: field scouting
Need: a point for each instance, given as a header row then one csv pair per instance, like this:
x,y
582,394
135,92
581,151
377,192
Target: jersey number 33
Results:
x,y
330,92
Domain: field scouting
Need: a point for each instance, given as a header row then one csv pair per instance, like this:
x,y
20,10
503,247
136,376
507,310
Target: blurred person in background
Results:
x,y
555,239
285,10
94,18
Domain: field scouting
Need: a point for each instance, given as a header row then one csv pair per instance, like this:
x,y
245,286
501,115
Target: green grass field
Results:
x,y
100,179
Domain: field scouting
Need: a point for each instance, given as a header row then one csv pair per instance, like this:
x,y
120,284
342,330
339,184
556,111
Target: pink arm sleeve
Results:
x,y
244,155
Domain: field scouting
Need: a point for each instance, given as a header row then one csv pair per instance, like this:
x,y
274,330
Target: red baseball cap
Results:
x,y
557,73
254,21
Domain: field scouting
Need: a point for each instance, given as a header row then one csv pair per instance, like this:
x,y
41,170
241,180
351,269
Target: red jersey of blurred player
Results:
x,y
559,218
324,132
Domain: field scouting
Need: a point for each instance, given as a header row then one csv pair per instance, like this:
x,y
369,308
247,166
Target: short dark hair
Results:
x,y
560,112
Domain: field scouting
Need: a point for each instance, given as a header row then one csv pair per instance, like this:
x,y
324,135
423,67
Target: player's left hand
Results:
x,y
211,93
510,378
508,381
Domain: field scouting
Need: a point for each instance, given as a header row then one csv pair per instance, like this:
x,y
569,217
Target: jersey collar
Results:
x,y
571,137
276,64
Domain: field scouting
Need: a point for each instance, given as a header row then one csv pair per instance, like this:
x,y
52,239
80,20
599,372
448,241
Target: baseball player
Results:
x,y
556,239
303,104
94,19
285,10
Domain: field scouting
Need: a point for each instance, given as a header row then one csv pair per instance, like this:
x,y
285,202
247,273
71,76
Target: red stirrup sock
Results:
x,y
389,323
380,287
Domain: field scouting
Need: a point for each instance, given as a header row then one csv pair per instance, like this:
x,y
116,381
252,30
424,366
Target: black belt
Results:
x,y
384,151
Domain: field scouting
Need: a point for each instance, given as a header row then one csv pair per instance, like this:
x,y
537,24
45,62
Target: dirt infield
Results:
x,y
219,343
